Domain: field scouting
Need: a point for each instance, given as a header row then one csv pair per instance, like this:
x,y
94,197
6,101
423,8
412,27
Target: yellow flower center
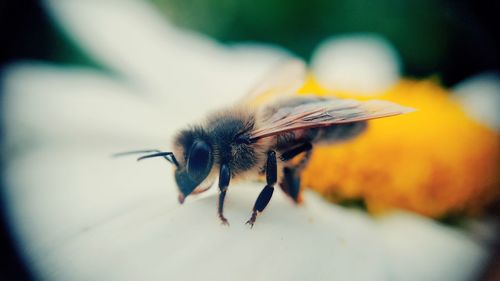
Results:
x,y
435,161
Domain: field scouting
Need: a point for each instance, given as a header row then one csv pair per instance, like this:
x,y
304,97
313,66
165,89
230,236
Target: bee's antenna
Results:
x,y
169,156
160,154
125,153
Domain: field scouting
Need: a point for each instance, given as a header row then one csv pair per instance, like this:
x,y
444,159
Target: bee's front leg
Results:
x,y
266,193
224,177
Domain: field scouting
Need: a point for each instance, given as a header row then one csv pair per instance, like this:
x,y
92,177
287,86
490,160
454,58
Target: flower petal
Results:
x,y
422,249
134,40
122,217
54,105
480,97
57,195
366,64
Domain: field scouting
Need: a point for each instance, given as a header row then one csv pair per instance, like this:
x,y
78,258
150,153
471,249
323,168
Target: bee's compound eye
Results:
x,y
185,183
199,161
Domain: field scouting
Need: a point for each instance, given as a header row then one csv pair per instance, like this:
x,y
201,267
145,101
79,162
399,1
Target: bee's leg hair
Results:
x,y
290,182
224,177
266,193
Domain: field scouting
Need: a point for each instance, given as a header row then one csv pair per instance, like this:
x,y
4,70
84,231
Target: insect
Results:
x,y
251,141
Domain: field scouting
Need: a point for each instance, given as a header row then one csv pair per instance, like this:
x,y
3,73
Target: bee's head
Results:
x,y
195,153
194,163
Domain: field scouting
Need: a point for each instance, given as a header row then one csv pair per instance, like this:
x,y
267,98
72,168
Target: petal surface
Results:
x,y
480,97
132,39
363,64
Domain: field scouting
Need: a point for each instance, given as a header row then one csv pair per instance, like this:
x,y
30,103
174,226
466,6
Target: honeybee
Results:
x,y
249,140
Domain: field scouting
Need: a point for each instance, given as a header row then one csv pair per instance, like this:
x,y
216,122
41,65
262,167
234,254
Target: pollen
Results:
x,y
435,161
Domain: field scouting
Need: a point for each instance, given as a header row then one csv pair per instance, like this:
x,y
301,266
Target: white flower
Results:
x,y
365,64
80,215
480,96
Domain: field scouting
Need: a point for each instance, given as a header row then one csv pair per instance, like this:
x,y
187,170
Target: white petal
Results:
x,y
480,97
366,64
81,216
59,194
51,105
421,249
133,39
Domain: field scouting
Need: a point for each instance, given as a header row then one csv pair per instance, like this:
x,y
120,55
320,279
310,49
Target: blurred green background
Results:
x,y
451,39
417,27
448,39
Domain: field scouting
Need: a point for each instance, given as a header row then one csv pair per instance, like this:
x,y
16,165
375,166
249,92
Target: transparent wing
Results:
x,y
283,80
323,113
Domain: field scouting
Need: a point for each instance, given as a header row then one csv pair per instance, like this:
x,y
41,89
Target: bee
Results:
x,y
251,140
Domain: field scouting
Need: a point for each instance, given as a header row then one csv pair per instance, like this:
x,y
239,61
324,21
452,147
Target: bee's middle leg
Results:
x,y
224,177
266,193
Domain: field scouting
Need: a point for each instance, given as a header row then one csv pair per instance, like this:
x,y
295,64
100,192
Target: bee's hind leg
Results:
x,y
266,193
290,183
224,177
290,154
